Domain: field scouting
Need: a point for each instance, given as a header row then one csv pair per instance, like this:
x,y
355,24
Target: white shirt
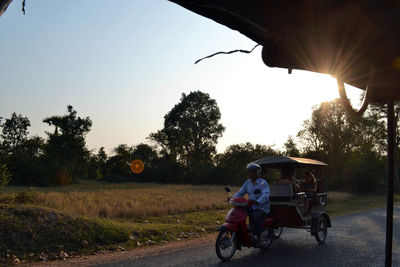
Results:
x,y
262,197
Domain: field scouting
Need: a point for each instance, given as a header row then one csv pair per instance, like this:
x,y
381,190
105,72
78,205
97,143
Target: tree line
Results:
x,y
184,150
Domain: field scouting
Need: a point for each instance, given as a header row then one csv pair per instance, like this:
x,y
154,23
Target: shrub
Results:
x,y
5,175
26,196
52,173
63,177
34,234
364,173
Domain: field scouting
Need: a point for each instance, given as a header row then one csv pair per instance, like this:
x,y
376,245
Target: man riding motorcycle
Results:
x,y
258,192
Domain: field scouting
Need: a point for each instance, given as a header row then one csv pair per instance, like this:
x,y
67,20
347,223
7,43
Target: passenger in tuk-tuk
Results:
x,y
309,186
287,177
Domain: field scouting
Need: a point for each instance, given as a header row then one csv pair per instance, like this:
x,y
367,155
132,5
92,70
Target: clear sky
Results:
x,y
126,63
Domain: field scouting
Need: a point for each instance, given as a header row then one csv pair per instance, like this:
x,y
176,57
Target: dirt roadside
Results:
x,y
108,257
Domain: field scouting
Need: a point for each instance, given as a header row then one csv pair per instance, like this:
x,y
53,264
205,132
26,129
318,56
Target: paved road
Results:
x,y
354,240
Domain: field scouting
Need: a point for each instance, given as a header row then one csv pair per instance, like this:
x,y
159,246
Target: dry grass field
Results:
x,y
128,200
132,201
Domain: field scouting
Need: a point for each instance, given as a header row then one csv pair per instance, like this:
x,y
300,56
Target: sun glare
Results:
x,y
323,87
284,101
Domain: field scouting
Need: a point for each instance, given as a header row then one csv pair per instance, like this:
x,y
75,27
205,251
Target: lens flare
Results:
x,y
137,166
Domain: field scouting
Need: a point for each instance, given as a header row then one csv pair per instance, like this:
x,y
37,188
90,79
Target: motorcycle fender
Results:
x,y
228,226
221,228
268,222
314,221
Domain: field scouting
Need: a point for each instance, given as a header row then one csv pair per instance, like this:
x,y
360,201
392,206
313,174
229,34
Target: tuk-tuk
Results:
x,y
294,203
285,176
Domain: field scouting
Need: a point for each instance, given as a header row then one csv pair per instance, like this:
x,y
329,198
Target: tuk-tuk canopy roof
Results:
x,y
346,38
276,161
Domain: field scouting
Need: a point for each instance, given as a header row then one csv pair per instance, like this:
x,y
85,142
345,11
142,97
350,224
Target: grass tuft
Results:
x,y
33,233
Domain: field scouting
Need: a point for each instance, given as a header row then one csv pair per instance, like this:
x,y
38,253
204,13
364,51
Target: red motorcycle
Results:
x,y
235,233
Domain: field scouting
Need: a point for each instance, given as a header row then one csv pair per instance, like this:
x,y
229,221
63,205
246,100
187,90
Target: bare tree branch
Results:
x,y
230,52
3,5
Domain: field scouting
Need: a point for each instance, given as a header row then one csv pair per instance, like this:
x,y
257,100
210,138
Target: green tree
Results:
x,y
97,168
351,147
191,131
97,164
20,153
378,113
26,163
329,134
117,165
70,124
146,153
236,157
149,156
66,147
370,133
330,129
102,160
14,132
291,148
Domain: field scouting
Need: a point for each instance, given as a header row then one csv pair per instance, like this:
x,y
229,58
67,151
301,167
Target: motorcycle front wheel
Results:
x,y
226,245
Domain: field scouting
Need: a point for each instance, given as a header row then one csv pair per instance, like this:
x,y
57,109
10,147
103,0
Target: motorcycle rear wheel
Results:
x,y
277,232
226,245
266,238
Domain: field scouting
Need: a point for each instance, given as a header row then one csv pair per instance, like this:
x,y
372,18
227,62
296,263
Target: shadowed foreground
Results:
x,y
354,240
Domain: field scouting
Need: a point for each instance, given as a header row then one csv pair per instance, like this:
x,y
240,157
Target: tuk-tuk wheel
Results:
x,y
322,230
277,232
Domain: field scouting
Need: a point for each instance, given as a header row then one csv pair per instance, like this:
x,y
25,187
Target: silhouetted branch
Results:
x,y
3,5
230,52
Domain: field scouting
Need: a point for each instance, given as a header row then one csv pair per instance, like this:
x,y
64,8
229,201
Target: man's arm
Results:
x,y
264,194
314,190
242,191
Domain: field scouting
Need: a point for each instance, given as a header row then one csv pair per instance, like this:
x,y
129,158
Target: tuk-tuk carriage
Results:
x,y
285,176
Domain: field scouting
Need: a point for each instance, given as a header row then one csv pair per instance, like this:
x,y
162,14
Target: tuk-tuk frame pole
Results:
x,y
390,182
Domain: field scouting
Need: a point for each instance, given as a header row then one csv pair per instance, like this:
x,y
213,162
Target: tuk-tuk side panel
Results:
x,y
287,216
